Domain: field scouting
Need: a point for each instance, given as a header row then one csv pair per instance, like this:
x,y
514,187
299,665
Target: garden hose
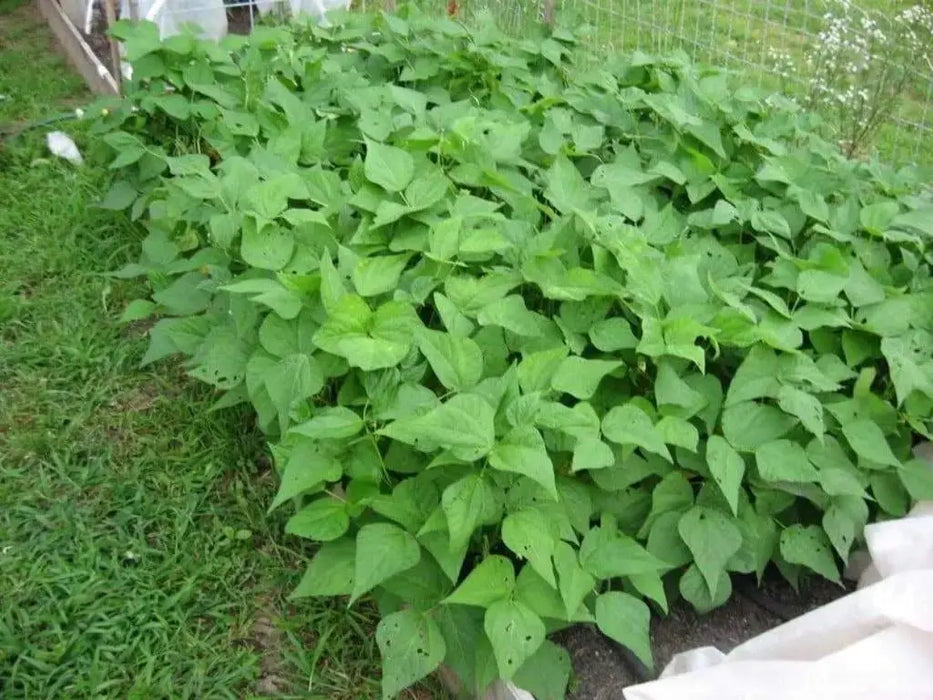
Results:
x,y
17,129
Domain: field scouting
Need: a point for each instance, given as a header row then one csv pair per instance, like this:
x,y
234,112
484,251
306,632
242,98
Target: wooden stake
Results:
x,y
110,11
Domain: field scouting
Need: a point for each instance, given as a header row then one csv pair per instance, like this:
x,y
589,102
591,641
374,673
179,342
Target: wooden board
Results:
x,y
79,54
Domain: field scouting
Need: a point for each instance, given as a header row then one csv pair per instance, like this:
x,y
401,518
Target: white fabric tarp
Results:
x,y
316,8
874,643
211,15
80,12
171,15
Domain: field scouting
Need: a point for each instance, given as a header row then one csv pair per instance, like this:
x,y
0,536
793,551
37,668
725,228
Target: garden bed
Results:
x,y
89,54
533,344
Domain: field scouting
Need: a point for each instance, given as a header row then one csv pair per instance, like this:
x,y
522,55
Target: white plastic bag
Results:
x,y
61,145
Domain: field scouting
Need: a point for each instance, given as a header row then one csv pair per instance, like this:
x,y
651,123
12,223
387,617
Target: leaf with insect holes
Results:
x,y
515,633
412,646
493,579
712,538
466,504
841,528
810,547
269,248
528,533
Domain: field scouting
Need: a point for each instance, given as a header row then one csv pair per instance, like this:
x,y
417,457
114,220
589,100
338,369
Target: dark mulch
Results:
x,y
239,20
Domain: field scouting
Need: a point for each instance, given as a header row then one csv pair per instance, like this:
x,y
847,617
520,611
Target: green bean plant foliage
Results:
x,y
536,339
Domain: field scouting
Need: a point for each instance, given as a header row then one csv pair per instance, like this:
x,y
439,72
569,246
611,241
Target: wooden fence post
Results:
x,y
110,12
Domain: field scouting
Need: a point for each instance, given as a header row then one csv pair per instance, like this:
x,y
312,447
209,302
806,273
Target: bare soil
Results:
x,y
239,21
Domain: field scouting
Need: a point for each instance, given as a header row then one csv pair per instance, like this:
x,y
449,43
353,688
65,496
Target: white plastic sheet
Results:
x,y
171,15
80,12
315,8
875,643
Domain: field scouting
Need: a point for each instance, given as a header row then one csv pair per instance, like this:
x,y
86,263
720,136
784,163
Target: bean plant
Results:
x,y
536,339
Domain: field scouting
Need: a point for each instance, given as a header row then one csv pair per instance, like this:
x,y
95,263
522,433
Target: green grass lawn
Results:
x,y
136,557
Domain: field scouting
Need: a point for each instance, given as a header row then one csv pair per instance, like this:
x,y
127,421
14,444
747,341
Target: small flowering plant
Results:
x,y
863,63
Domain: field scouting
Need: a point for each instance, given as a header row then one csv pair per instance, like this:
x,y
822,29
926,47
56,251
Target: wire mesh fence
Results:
x,y
785,45
780,45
